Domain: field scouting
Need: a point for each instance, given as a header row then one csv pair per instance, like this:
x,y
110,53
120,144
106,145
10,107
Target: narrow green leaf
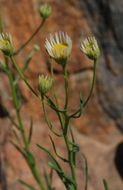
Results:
x,y
50,155
53,144
54,106
28,60
30,130
49,123
78,114
66,180
85,172
3,67
55,167
30,158
18,149
16,136
51,175
105,185
27,185
46,177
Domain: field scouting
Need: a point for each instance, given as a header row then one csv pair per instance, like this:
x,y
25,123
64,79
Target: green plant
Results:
x,y
59,48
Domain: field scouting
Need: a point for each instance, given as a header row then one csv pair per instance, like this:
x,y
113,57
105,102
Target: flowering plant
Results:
x,y
58,47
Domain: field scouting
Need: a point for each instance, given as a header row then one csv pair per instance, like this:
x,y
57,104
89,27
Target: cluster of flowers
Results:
x,y
59,47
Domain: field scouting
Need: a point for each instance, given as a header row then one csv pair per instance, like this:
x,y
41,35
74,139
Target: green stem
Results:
x,y
13,87
105,185
30,38
21,128
72,166
45,113
91,90
66,125
53,91
66,86
92,86
22,76
20,125
37,178
16,103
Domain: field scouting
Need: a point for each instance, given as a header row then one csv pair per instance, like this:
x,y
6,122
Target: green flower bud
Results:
x,y
45,83
45,11
90,47
36,47
6,44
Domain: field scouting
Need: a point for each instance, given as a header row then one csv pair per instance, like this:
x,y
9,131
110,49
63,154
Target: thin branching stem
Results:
x,y
90,93
65,128
30,38
23,77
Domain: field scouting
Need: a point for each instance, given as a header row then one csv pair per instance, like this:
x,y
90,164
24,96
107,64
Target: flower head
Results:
x,y
45,83
6,44
59,47
90,47
45,11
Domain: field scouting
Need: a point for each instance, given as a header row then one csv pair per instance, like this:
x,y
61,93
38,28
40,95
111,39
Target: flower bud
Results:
x,y
36,48
45,83
6,44
45,11
90,47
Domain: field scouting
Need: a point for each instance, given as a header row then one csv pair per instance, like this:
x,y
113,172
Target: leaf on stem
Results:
x,y
65,179
53,106
51,175
2,67
28,60
52,129
105,185
75,148
48,181
30,158
18,149
26,64
30,131
78,113
27,185
55,166
16,136
85,171
54,148
50,125
50,155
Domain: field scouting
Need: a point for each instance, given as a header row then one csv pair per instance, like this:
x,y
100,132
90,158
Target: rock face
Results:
x,y
100,129
108,27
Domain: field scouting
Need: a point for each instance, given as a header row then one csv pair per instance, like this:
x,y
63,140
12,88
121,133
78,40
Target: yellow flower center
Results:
x,y
59,49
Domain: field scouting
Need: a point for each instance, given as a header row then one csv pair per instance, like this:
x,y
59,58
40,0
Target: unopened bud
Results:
x,y
90,47
45,11
6,44
45,83
36,47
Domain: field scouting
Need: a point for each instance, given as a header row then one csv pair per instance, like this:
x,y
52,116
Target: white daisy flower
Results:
x,y
59,47
90,47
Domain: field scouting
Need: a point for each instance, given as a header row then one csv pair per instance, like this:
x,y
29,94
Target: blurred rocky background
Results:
x,y
99,130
